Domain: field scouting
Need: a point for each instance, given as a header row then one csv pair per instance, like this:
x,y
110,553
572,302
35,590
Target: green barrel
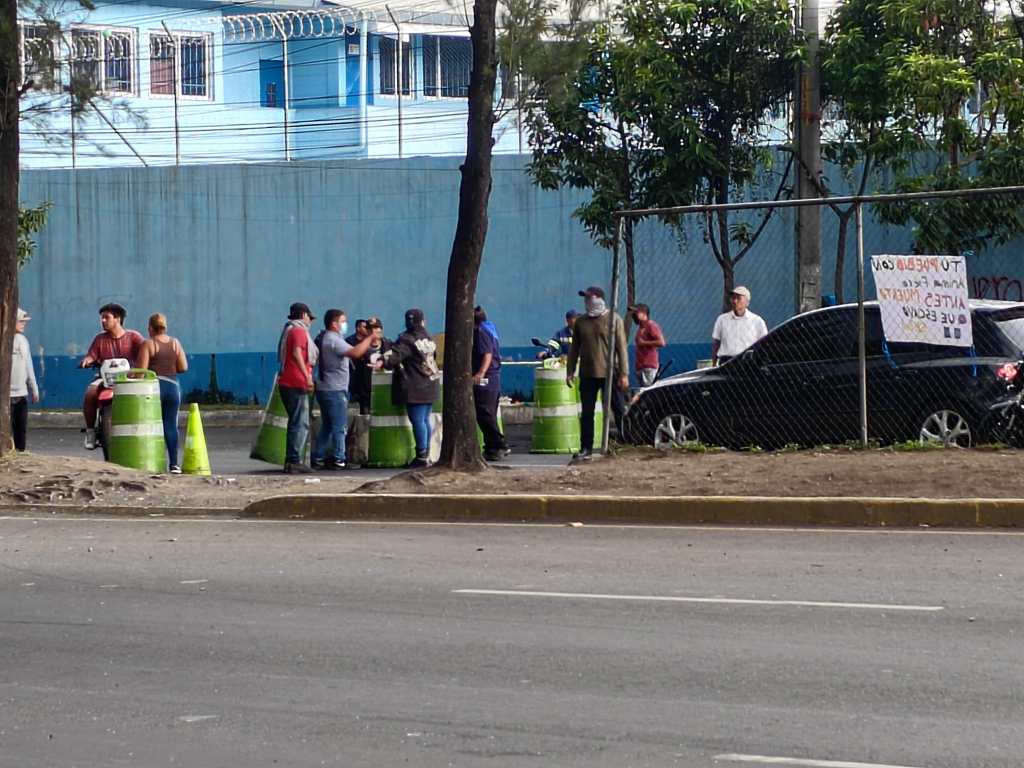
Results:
x,y
437,423
391,440
271,442
556,415
136,426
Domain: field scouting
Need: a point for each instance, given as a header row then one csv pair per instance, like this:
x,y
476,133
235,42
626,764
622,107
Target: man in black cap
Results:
x,y
296,356
589,349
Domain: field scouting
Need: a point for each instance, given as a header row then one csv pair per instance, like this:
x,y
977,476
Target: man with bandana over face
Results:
x,y
590,350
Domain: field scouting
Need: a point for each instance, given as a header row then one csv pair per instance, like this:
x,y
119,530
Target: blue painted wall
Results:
x,y
223,250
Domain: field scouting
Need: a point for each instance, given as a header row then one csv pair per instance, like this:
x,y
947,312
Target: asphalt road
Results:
x,y
229,450
227,643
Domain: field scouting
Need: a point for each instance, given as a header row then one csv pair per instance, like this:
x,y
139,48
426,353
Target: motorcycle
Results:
x,y
1008,426
107,374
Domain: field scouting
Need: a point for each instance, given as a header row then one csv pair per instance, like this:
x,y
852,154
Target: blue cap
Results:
x,y
571,313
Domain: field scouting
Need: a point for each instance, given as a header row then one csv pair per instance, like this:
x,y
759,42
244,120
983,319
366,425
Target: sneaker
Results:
x,y
297,469
90,439
584,455
318,464
418,463
505,450
493,455
334,466
175,469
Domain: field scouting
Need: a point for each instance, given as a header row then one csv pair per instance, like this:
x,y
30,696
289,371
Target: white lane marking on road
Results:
x,y
425,523
194,581
766,760
197,718
712,600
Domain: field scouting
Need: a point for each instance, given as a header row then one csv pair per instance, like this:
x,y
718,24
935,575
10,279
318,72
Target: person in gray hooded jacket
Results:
x,y
23,382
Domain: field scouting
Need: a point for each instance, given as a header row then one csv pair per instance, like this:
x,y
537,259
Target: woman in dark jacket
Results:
x,y
417,380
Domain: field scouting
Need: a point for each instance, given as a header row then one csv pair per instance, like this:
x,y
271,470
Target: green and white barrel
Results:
x,y
271,444
391,439
137,430
556,413
437,423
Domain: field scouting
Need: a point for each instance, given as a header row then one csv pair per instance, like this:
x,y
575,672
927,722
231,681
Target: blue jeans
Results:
x,y
333,426
296,403
419,415
170,400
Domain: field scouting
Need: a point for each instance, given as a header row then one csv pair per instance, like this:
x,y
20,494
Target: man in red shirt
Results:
x,y
649,339
296,355
115,341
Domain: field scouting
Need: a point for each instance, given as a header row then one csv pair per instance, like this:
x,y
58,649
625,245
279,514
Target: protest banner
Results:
x,y
923,299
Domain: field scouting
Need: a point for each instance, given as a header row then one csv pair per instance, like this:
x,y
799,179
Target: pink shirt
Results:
x,y
647,357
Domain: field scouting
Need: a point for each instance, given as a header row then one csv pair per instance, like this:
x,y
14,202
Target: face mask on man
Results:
x,y
594,305
344,326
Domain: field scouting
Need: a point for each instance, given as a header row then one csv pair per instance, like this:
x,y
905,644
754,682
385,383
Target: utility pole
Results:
x,y
174,75
398,73
808,129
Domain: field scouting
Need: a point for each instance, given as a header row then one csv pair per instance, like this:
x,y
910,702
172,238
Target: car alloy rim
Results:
x,y
675,430
946,427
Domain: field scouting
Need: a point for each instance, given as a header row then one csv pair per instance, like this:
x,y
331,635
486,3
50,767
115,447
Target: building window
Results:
x,y
104,59
180,62
38,62
388,46
447,62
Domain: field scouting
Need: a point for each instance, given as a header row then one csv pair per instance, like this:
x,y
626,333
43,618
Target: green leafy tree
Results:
x,y
21,102
585,133
915,66
30,221
708,76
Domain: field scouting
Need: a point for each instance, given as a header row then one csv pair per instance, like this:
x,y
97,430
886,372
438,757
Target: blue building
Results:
x,y
194,81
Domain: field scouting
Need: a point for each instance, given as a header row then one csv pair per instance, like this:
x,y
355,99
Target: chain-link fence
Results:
x,y
915,333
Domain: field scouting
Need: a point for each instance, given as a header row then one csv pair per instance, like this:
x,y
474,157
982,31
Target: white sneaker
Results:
x,y
175,469
90,439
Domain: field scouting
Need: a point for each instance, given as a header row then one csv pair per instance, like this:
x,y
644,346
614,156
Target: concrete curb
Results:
x,y
592,510
647,510
73,419
85,510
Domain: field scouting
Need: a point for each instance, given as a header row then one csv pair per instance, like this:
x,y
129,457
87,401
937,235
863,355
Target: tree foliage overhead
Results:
x,y
934,90
668,103
711,77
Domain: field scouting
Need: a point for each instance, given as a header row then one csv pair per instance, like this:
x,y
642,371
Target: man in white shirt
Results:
x,y
735,331
23,381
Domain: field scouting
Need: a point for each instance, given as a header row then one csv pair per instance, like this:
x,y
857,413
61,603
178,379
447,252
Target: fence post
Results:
x,y
609,377
862,368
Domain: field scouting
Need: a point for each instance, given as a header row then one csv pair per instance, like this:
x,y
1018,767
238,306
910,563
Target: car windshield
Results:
x,y
1011,323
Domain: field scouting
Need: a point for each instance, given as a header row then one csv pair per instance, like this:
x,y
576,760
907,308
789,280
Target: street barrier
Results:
x,y
137,430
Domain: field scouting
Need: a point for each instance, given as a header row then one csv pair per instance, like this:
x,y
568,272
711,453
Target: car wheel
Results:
x,y
674,431
947,427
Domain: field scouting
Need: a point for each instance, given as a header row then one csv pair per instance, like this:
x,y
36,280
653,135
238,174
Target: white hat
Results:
x,y
23,315
741,290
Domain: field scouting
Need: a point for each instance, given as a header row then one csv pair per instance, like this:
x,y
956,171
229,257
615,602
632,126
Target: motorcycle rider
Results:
x,y
115,341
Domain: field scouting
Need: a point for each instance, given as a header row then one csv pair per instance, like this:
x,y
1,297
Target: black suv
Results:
x,y
799,385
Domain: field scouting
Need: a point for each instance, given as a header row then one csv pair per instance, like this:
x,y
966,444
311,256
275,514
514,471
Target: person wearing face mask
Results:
x,y
417,380
332,389
589,349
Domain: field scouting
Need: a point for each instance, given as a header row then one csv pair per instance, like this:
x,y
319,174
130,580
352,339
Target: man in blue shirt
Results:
x,y
487,385
564,335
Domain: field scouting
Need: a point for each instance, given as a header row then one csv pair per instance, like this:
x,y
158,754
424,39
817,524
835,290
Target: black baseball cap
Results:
x,y
298,309
593,290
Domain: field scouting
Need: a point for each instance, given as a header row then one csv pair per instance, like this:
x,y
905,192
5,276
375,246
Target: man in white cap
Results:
x,y
23,382
736,330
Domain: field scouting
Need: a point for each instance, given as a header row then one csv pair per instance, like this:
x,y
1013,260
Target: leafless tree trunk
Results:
x,y
9,98
459,449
